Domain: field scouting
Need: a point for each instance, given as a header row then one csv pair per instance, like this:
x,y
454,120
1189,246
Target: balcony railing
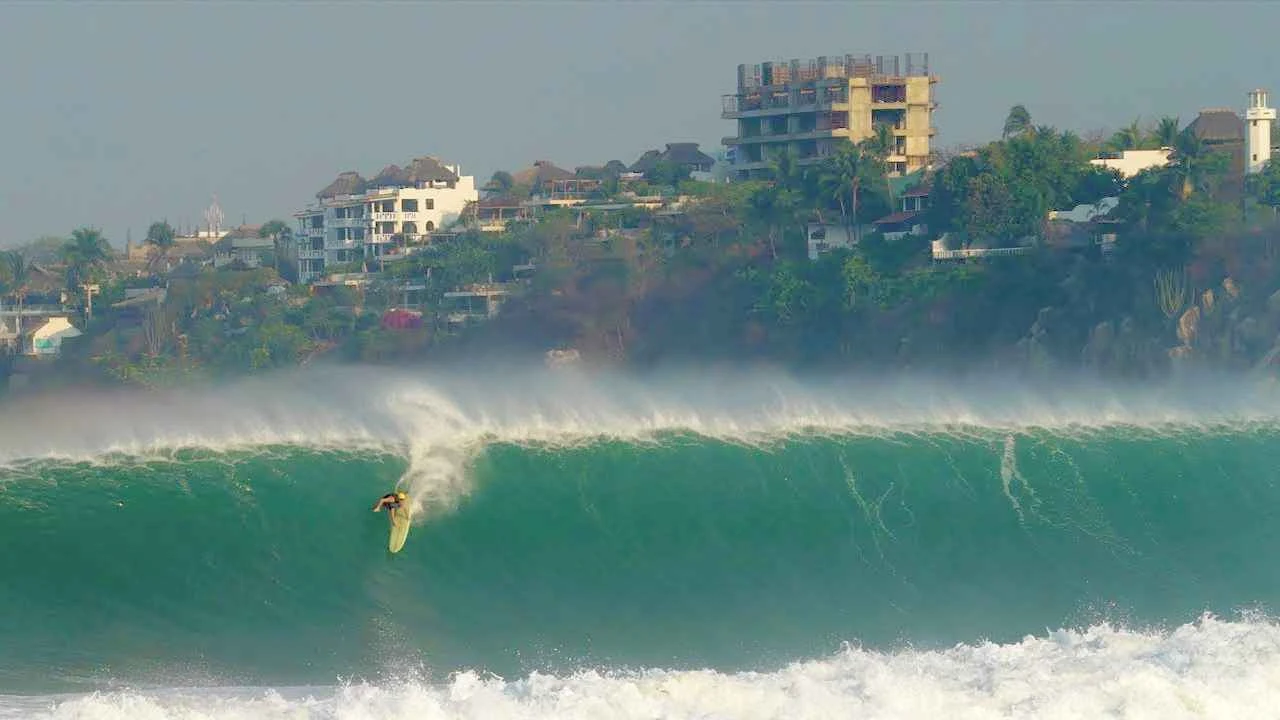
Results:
x,y
384,217
350,222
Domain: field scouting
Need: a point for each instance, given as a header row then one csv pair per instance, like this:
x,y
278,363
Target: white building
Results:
x,y
356,219
1258,117
1131,162
47,341
825,237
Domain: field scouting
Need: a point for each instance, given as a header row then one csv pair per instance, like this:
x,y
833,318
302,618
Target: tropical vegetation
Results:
x,y
724,273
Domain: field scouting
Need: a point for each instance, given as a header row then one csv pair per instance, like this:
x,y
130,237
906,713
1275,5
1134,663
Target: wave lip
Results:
x,y
1211,668
418,413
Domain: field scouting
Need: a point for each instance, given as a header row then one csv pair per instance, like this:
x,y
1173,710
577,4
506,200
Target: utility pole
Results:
x,y
90,289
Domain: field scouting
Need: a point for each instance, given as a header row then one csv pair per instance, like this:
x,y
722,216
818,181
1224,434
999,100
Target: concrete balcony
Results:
x,y
381,238
787,137
357,222
409,215
385,217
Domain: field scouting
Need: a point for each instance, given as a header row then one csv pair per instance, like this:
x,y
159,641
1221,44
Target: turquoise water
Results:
x,y
268,567
618,551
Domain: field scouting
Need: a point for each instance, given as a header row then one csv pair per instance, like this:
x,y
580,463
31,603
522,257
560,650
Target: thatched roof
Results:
x,y
243,231
41,279
646,162
543,171
687,153
430,169
347,183
1218,125
391,176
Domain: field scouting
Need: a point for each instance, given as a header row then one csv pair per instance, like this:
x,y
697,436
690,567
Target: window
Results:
x,y
429,204
1255,157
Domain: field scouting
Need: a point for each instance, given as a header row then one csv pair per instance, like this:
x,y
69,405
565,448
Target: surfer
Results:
x,y
391,501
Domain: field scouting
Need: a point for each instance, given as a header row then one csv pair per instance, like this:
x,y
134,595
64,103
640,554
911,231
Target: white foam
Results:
x,y
438,418
1208,669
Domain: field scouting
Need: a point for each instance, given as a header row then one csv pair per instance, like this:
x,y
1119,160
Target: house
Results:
x,y
355,218
910,217
825,237
479,301
137,303
1222,130
1082,226
244,246
541,177
1131,162
47,340
495,214
189,244
684,155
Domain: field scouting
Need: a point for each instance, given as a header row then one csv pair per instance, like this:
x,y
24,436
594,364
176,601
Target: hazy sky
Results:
x,y
117,114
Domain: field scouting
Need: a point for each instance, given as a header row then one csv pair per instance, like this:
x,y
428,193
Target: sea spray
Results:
x,y
579,524
1211,668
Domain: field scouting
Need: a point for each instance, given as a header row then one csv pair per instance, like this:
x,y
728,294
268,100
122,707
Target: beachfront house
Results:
x,y
355,218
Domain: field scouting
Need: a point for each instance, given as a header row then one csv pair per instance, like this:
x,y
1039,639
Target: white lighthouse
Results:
x,y
1259,118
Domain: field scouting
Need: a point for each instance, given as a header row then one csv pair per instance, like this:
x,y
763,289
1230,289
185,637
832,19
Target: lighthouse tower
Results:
x,y
1259,118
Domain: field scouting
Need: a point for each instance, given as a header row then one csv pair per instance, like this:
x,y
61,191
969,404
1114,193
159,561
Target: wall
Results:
x,y
1132,162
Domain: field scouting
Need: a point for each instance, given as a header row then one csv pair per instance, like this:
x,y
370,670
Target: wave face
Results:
x,y
669,548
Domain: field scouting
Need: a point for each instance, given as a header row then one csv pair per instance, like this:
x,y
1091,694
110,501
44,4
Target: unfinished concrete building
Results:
x,y
810,107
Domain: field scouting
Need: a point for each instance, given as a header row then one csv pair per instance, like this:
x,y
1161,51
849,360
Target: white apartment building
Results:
x,y
356,219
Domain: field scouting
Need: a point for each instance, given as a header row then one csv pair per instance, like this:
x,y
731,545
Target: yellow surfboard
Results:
x,y
399,526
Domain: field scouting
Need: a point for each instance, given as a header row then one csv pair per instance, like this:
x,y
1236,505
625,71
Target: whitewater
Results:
x,y
729,544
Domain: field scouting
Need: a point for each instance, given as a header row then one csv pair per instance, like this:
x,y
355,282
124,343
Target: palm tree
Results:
x,y
1166,132
1127,138
17,274
880,143
1188,152
281,236
1017,122
771,206
879,147
787,172
160,238
843,174
499,184
86,251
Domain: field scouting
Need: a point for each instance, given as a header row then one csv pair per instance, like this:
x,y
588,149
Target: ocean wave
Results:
x,y
438,419
1212,668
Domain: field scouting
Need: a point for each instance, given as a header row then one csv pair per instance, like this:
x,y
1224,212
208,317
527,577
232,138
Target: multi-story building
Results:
x,y
811,107
356,219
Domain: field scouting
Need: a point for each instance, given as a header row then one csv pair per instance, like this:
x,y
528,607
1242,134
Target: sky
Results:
x,y
116,114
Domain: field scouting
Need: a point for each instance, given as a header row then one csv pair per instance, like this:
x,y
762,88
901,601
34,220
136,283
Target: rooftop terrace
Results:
x,y
826,67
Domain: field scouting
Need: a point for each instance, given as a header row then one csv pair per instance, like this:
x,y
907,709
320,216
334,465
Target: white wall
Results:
x,y
1258,119
836,236
1132,162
